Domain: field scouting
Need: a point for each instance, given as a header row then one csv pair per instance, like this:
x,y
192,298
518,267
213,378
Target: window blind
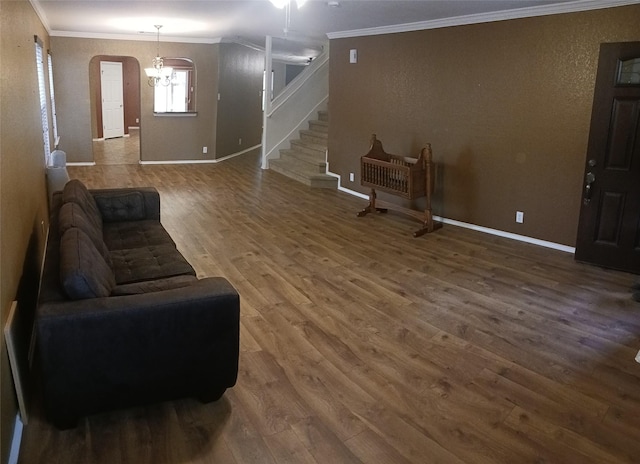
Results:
x,y
43,100
54,115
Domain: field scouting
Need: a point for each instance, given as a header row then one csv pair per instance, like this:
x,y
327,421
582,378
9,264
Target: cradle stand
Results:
x,y
403,176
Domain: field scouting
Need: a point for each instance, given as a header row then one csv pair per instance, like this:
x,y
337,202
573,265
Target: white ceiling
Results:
x,y
250,21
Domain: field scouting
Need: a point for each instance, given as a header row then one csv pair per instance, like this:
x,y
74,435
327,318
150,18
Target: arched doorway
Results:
x,y
123,147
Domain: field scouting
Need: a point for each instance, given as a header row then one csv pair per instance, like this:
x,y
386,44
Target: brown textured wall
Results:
x,y
23,199
240,106
163,138
505,105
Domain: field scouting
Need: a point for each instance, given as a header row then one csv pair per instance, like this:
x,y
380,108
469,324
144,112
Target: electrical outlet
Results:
x,y
204,149
519,217
240,141
137,120
351,177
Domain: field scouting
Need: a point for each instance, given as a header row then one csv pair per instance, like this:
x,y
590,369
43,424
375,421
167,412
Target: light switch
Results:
x,y
353,55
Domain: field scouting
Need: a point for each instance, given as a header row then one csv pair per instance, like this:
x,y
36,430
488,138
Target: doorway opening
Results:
x,y
115,109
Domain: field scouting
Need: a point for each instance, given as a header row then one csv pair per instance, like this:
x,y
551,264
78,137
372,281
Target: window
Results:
x,y
629,72
43,100
174,98
54,117
178,95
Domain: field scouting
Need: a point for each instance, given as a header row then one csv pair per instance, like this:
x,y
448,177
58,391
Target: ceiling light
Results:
x,y
282,3
286,4
158,73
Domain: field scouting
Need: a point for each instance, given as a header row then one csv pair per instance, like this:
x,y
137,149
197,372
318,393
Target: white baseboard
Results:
x,y
14,452
205,161
502,233
81,163
466,225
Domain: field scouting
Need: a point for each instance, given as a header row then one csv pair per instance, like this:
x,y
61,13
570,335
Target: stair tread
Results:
x,y
314,160
296,161
314,133
300,170
319,126
309,144
312,179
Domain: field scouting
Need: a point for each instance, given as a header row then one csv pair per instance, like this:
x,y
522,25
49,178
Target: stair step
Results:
x,y
319,126
314,136
310,147
323,116
314,162
299,172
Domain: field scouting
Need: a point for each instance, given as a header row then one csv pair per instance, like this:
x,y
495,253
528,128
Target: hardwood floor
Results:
x,y
120,150
360,343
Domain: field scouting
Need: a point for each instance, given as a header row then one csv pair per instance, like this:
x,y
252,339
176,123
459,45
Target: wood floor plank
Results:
x,y
287,448
362,344
547,435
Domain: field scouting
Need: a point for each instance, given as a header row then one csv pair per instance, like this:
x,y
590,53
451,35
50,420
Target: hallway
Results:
x,y
122,150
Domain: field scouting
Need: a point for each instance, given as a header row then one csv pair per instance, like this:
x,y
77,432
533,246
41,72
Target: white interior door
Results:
x,y
112,99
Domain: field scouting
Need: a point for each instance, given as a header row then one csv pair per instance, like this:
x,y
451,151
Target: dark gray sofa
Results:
x,y
122,319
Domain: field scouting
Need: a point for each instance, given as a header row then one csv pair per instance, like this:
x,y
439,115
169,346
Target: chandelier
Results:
x,y
158,74
286,4
283,3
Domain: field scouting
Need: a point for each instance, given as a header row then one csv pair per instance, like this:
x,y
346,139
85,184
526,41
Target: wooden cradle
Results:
x,y
407,177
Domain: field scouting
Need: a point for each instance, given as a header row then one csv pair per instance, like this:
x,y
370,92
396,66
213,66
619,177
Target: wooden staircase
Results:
x,y
306,160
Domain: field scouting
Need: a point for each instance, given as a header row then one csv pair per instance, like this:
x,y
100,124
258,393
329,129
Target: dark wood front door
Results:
x,y
609,228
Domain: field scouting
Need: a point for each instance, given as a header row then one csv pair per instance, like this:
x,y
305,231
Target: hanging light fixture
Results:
x,y
283,3
158,73
286,4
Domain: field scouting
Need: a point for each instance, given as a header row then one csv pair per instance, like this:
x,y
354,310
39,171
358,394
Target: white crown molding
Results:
x,y
545,10
138,37
40,13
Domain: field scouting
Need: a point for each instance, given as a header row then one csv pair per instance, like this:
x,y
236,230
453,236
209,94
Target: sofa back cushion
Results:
x,y
71,215
121,207
76,192
84,273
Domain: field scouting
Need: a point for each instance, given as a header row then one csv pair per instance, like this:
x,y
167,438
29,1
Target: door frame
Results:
x,y
120,116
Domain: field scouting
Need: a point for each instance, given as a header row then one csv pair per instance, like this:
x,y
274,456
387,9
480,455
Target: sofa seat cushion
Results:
x,y
135,234
121,207
71,215
148,263
157,285
75,192
84,273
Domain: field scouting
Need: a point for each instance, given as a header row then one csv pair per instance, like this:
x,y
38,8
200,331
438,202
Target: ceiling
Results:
x,y
249,22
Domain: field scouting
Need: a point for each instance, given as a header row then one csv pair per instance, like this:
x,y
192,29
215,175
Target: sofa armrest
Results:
x,y
111,352
150,199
